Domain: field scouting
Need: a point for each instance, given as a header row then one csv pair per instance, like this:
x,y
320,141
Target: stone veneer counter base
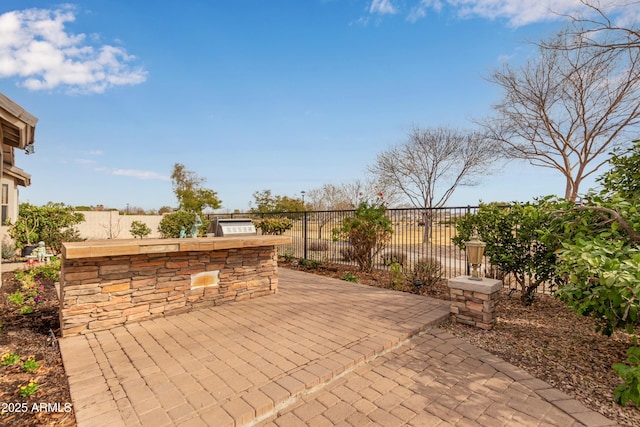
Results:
x,y
112,282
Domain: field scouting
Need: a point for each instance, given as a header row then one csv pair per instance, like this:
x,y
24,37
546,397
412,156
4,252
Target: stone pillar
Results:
x,y
473,302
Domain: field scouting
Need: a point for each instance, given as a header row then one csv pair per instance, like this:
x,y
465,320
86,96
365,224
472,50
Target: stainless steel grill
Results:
x,y
226,227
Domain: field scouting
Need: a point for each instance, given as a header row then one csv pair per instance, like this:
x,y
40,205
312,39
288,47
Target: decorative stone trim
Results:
x,y
473,302
150,278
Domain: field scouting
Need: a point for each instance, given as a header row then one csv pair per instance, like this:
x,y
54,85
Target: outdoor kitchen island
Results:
x,y
107,283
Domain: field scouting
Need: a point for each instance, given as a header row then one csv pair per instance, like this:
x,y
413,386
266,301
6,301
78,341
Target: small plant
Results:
x,y
49,272
29,294
289,255
30,364
29,389
16,298
139,229
309,263
629,390
398,276
8,249
25,309
427,272
350,278
9,359
368,231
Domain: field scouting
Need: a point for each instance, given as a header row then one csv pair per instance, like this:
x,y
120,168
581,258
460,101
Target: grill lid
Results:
x,y
226,227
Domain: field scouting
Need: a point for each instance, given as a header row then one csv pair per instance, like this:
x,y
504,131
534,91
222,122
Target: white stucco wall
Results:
x,y
112,225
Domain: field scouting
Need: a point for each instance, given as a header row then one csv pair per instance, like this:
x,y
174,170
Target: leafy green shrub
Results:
x,y
289,255
52,223
399,278
274,226
49,273
172,224
348,277
309,263
139,229
368,231
629,390
518,242
428,271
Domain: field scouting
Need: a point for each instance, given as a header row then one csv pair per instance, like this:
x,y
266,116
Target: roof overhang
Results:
x,y
18,126
20,176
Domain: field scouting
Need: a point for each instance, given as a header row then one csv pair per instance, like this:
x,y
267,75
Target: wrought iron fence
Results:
x,y
417,235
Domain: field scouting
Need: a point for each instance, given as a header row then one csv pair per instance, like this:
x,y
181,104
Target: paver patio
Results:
x,y
320,352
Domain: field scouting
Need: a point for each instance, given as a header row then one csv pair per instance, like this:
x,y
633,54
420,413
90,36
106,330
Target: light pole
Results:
x,y
303,193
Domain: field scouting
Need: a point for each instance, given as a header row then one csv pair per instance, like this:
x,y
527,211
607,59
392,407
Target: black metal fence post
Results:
x,y
304,234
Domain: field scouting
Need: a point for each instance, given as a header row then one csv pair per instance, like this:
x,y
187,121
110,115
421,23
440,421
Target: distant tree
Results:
x,y
321,200
568,107
164,210
368,189
133,210
266,202
429,167
191,195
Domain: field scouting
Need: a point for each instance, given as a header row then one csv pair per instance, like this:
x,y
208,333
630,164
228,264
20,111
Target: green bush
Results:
x,y
274,226
171,224
309,263
368,231
629,390
52,223
518,242
139,229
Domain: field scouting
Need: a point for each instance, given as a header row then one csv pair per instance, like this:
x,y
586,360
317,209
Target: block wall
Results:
x,y
103,292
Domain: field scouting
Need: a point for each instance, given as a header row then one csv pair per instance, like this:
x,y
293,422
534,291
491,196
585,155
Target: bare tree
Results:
x,y
609,26
326,198
369,189
429,167
568,107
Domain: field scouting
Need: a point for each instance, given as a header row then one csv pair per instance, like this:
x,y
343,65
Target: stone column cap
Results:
x,y
484,286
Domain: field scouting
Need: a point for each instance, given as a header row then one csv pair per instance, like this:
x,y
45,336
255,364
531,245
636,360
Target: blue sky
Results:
x,y
253,94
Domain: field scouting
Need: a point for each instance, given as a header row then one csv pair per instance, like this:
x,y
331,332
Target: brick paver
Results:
x,y
320,352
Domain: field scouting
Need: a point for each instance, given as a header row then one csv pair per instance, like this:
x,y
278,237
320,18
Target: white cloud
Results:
x,y
140,174
382,7
515,12
36,48
419,11
524,12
